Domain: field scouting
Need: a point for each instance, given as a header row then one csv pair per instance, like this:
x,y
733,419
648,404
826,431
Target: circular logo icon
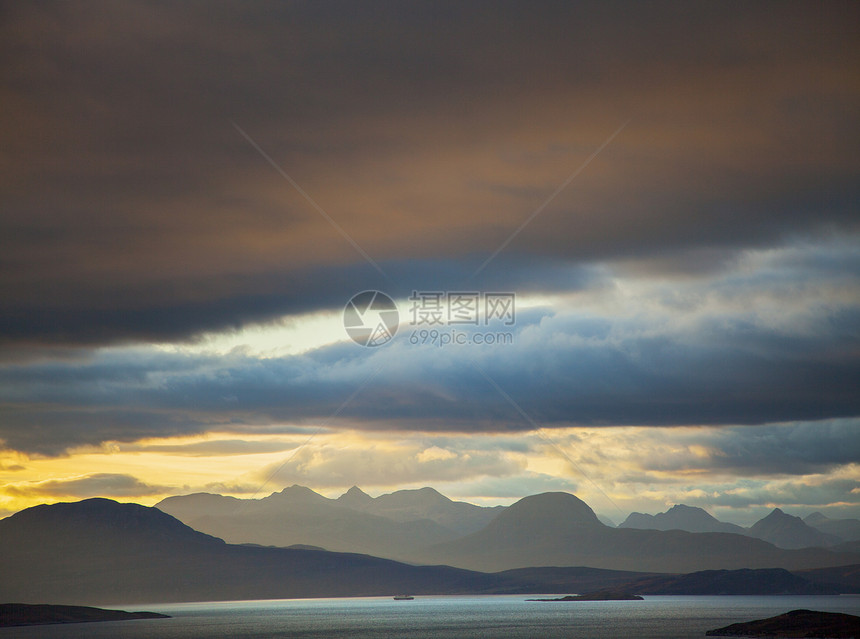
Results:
x,y
371,318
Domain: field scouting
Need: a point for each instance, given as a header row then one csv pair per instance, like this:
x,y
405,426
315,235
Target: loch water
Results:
x,y
443,617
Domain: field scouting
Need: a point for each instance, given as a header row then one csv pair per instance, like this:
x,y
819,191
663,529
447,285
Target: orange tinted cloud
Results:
x,y
134,210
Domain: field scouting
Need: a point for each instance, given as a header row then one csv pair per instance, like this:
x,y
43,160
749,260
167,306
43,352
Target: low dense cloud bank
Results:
x,y
740,348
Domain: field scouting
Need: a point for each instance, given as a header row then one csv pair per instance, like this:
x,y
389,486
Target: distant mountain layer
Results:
x,y
390,526
417,525
847,529
557,529
553,529
98,550
423,503
787,531
44,614
680,517
778,528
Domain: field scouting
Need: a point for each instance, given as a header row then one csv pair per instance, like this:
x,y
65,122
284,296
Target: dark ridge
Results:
x,y
843,579
16,614
763,581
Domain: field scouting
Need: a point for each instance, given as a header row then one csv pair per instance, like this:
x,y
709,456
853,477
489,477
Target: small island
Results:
x,y
797,623
16,614
598,595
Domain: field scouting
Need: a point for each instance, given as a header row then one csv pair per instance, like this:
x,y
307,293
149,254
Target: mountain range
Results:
x,y
558,529
779,528
98,551
229,518
392,525
847,529
680,517
552,529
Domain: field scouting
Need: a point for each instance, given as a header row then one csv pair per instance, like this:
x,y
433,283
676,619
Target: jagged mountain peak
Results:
x,y
788,531
355,490
355,497
816,517
680,517
297,493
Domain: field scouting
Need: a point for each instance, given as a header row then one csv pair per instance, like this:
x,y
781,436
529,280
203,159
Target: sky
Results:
x,y
666,193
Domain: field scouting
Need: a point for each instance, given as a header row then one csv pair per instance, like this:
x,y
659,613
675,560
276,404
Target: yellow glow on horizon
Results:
x,y
613,468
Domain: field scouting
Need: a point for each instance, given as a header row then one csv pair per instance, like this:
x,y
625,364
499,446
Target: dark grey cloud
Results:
x,y
797,450
133,211
831,491
261,299
715,359
793,449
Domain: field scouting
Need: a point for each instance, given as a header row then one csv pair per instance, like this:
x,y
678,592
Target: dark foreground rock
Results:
x,y
797,623
14,614
600,595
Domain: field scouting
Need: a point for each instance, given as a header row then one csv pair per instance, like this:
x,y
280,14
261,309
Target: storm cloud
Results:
x,y
133,210
669,189
741,348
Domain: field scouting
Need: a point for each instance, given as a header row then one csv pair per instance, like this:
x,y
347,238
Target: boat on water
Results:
x,y
403,598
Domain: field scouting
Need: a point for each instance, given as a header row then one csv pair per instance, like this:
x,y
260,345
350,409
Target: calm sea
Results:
x,y
505,617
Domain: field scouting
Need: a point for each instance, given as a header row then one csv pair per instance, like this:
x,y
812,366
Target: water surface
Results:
x,y
503,617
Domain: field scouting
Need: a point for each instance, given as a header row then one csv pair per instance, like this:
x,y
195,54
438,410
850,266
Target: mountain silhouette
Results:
x,y
101,551
680,517
355,498
846,529
425,503
558,529
98,550
391,526
787,531
126,527
44,614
